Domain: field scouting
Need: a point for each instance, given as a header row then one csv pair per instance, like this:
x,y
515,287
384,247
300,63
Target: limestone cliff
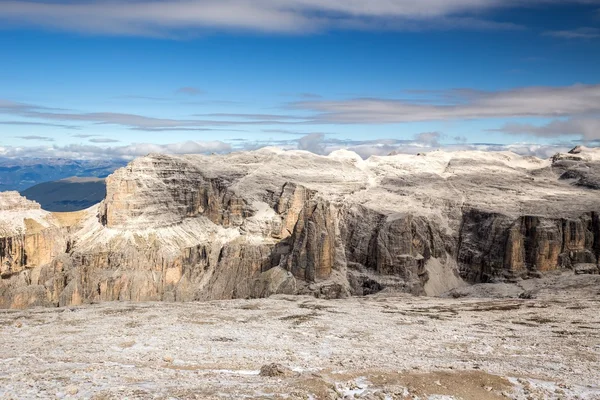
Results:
x,y
181,228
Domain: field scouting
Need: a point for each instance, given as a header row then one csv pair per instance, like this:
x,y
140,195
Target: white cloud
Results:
x,y
463,104
579,33
431,139
587,128
576,101
139,122
165,18
75,151
103,140
571,110
421,143
316,143
36,138
189,90
41,124
382,149
312,142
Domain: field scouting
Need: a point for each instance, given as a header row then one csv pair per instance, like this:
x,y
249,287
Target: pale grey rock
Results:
x,y
274,281
590,269
275,370
182,228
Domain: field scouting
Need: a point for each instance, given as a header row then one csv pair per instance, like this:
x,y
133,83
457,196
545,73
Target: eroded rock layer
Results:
x,y
253,224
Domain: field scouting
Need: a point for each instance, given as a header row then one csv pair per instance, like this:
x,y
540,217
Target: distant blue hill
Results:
x,y
21,174
72,194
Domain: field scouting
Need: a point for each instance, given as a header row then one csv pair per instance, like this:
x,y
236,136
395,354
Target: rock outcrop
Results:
x,y
253,224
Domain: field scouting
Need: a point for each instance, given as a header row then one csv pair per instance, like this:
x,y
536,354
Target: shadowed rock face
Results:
x,y
182,228
496,247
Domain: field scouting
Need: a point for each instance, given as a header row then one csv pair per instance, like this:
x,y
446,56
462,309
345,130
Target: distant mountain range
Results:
x,y
23,173
71,194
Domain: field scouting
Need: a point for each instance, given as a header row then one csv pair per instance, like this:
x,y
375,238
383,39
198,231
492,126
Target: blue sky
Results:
x,y
119,79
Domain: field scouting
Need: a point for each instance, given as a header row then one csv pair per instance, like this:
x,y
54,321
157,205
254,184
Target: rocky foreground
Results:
x,y
299,347
254,224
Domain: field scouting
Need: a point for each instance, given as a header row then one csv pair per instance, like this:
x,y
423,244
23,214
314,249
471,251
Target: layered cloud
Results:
x,y
167,18
133,121
317,143
579,102
36,138
572,110
75,151
579,33
423,142
462,104
587,128
568,111
37,124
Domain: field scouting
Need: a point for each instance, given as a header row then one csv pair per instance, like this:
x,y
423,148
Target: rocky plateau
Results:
x,y
256,224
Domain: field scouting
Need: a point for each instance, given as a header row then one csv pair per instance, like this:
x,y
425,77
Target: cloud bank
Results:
x,y
579,33
92,152
578,104
543,101
421,143
317,143
167,18
572,110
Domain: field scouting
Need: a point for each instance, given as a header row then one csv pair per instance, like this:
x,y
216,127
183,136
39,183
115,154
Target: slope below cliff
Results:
x,y
251,224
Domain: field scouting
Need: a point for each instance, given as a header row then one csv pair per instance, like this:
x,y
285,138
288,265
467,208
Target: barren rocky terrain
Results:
x,y
383,346
253,224
274,274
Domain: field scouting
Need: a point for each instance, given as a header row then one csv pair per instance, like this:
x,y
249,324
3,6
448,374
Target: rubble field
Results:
x,y
385,346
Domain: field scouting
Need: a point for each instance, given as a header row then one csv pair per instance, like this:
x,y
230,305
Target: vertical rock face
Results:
x,y
158,191
313,242
396,247
28,237
496,247
290,204
182,228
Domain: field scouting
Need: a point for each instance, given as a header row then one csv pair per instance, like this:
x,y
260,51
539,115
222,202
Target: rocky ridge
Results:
x,y
252,224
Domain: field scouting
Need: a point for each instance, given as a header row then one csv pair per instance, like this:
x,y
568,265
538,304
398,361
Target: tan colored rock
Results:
x,y
275,370
274,281
248,224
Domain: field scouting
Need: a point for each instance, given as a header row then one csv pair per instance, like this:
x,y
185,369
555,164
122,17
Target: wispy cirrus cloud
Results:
x,y
580,104
189,90
587,128
292,132
38,124
36,138
250,117
138,97
579,33
172,18
307,95
471,104
103,140
572,110
143,122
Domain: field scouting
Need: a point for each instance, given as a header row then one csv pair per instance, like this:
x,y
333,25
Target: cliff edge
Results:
x,y
252,224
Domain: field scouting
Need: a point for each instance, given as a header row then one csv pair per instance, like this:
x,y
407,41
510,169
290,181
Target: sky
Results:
x,y
94,79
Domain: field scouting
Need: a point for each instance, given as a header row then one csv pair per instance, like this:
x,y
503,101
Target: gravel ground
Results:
x,y
379,347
